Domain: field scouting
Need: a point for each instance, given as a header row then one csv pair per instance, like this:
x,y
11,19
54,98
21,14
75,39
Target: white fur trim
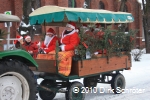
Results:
x,y
95,53
49,33
84,27
27,37
77,30
71,26
86,31
20,38
62,36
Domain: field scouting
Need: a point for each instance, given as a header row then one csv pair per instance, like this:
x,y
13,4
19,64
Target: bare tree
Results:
x,y
36,4
25,27
123,8
146,23
122,5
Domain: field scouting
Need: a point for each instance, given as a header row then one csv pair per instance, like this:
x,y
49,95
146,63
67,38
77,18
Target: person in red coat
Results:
x,y
99,34
69,37
68,42
85,28
18,42
30,47
49,42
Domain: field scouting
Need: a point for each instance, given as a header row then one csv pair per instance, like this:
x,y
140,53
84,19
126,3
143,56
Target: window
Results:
x,y
101,5
72,3
87,4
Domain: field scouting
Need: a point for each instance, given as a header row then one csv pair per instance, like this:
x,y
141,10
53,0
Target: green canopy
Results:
x,y
55,14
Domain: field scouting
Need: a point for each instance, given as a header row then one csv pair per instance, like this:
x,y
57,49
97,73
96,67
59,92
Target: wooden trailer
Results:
x,y
94,70
85,67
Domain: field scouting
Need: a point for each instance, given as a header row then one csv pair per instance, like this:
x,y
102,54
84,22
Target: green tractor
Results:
x,y
17,81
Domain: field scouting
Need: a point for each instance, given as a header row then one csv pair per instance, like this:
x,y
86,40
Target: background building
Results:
x,y
132,6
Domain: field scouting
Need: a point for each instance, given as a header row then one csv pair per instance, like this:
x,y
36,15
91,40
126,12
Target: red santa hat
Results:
x,y
38,43
71,25
26,37
19,37
51,31
97,25
84,25
15,41
77,30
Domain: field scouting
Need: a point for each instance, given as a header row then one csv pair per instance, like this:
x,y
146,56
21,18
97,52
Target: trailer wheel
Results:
x,y
118,83
90,82
16,81
47,95
75,91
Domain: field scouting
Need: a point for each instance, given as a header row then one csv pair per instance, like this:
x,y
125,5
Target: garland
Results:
x,y
114,45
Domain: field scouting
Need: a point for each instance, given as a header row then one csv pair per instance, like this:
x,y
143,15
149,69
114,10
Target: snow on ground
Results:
x,y
137,84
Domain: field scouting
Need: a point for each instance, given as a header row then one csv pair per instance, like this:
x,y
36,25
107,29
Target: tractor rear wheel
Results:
x,y
17,81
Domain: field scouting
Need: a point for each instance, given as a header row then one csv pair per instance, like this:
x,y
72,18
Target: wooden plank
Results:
x,y
45,66
100,65
85,67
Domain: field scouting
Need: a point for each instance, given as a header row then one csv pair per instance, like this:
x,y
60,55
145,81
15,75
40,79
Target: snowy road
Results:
x,y
137,84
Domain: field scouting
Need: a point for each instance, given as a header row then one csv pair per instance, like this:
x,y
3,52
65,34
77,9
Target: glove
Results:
x,y
62,47
41,51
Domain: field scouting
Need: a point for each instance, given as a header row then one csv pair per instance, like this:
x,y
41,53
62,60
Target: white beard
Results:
x,y
47,40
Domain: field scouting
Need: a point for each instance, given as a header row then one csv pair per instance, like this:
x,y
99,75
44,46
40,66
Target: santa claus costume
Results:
x,y
30,47
69,39
68,42
18,42
87,30
49,43
97,28
99,34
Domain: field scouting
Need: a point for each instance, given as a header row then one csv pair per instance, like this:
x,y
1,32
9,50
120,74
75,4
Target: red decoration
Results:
x,y
110,42
131,38
84,44
100,34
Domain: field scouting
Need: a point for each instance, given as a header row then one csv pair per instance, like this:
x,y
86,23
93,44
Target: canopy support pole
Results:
x,y
8,35
44,29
